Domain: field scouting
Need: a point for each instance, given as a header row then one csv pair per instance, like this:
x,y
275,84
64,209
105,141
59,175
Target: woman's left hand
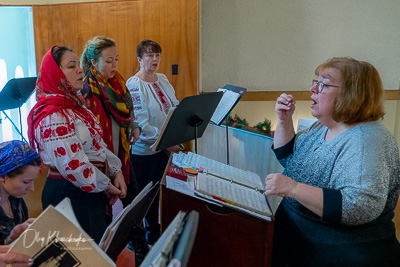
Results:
x,y
119,182
18,230
280,185
135,134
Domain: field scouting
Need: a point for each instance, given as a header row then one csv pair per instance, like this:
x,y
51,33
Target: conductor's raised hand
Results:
x,y
280,185
285,106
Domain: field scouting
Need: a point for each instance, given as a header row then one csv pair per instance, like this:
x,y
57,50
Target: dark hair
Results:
x,y
20,170
58,52
93,49
146,46
360,96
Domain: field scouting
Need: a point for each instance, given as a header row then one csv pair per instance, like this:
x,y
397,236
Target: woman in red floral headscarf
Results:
x,y
69,140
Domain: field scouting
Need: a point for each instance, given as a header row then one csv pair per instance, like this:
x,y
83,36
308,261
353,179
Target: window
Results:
x,y
17,60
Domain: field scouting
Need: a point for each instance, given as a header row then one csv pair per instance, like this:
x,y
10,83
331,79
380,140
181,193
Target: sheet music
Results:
x,y
214,167
233,194
225,104
185,188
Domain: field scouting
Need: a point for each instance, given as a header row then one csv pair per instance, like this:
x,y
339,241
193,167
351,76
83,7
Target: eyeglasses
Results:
x,y
320,85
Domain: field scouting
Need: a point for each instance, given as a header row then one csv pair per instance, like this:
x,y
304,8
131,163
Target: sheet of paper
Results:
x,y
225,104
184,187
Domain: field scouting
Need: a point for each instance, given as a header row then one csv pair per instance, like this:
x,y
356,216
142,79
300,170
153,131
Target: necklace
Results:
x,y
7,209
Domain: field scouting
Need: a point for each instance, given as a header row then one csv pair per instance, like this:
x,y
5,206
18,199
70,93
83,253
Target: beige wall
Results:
x,y
266,45
257,111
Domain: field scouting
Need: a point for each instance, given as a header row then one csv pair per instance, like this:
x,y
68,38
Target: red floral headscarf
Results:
x,y
54,93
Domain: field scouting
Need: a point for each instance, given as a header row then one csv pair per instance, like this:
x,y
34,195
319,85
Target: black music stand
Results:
x,y
188,121
14,94
241,91
130,226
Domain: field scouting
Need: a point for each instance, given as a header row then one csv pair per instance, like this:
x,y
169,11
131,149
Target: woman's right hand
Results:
x,y
285,106
112,193
12,258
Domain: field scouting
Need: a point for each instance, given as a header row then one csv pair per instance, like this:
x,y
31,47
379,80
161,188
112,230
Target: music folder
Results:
x,y
175,245
188,120
121,229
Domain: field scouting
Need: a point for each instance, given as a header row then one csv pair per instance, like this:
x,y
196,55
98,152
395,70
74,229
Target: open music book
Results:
x,y
213,167
55,238
225,105
234,194
227,185
155,146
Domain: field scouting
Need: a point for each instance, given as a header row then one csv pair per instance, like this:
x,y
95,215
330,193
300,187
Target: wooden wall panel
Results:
x,y
174,24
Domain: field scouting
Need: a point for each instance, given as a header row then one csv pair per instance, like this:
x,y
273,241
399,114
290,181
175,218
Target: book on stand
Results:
x,y
233,194
227,185
187,121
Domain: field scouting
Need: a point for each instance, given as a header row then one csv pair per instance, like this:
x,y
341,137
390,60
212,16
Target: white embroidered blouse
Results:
x,y
151,102
71,146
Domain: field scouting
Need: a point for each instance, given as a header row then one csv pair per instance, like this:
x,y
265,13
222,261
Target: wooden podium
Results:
x,y
225,236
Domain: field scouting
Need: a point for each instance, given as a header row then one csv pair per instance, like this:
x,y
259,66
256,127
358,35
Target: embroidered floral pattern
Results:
x,y
89,188
76,147
47,133
87,172
59,152
71,178
96,145
62,130
73,165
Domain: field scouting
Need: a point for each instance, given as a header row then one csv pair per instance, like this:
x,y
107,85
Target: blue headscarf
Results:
x,y
15,154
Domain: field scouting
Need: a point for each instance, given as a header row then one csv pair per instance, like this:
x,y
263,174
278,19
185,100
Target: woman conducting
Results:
x,y
68,138
152,96
341,179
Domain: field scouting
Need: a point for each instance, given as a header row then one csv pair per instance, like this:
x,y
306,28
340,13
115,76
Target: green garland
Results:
x,y
261,127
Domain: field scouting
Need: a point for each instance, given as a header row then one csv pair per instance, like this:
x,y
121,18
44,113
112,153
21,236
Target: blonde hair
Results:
x,y
360,96
93,49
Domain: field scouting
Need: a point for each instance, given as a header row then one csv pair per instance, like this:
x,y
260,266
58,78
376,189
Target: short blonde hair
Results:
x,y
360,96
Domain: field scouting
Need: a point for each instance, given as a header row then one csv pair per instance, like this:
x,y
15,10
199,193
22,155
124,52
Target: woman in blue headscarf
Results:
x,y
19,167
